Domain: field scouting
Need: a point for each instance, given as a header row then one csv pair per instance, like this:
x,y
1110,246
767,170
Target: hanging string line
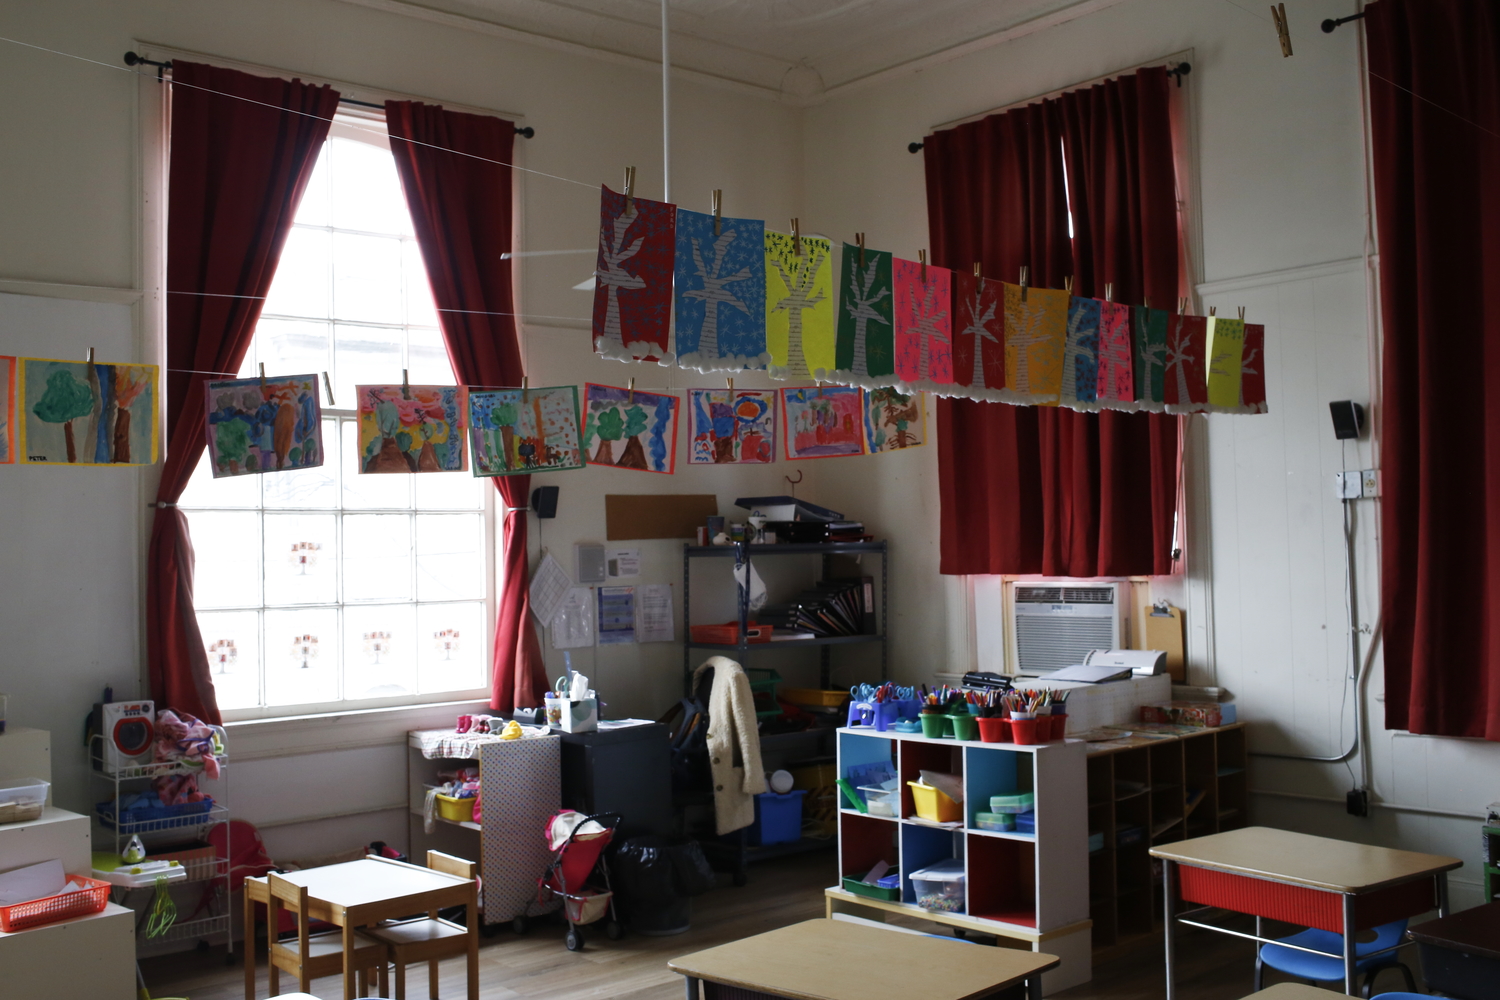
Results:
x,y
668,389
308,114
470,312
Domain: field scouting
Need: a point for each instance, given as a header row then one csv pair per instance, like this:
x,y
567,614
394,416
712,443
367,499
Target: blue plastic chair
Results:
x,y
1403,996
1330,967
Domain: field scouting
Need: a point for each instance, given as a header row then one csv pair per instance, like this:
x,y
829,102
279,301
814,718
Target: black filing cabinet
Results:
x,y
623,771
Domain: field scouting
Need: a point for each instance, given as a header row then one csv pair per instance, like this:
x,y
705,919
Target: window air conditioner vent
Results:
x,y
1088,595
1039,595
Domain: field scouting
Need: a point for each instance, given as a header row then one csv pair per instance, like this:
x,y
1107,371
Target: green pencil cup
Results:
x,y
934,726
965,727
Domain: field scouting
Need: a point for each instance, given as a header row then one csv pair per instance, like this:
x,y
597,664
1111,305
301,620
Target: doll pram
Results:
x,y
578,844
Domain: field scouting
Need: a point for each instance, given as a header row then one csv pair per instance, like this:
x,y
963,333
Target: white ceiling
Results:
x,y
797,49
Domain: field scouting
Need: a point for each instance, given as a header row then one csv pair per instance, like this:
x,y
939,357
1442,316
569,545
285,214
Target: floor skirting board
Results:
x,y
1394,807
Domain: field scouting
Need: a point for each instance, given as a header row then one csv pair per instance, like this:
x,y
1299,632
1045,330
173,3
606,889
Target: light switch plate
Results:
x,y
1347,485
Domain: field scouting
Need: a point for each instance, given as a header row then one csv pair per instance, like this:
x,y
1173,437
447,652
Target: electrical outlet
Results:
x,y
1346,485
1369,484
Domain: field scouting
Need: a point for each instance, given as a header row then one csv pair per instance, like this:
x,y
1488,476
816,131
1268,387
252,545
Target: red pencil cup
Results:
x,y
1026,731
1059,724
993,730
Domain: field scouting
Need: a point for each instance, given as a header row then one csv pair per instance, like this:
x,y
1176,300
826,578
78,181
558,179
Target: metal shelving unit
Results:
x,y
744,553
202,873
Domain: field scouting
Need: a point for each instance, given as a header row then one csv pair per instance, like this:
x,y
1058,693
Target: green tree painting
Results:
x,y
64,401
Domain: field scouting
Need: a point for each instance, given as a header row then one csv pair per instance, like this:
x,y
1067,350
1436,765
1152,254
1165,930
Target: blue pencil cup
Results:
x,y
908,708
887,714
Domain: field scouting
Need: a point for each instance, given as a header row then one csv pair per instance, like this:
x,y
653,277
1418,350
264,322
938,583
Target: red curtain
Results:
x,y
1435,111
243,148
458,186
1046,489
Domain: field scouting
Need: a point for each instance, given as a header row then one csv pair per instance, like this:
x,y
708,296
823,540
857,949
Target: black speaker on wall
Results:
x,y
544,501
1348,419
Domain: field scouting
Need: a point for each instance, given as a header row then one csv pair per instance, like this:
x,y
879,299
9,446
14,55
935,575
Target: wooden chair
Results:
x,y
314,955
429,938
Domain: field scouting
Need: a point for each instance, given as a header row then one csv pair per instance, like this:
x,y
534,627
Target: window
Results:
x,y
323,586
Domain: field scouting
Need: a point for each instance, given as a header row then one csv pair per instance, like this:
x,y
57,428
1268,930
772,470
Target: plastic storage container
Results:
x,y
888,888
22,799
1024,802
880,801
50,909
455,810
995,821
778,818
940,887
933,805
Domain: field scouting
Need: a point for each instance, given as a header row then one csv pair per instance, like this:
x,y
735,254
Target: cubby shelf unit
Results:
x,y
1148,792
1031,889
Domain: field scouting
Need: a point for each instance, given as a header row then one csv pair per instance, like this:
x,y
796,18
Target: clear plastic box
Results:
x,y
940,887
1024,802
22,799
995,821
880,801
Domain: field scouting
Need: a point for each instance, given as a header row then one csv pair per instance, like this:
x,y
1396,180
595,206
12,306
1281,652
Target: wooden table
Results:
x,y
1461,953
837,960
361,893
1333,885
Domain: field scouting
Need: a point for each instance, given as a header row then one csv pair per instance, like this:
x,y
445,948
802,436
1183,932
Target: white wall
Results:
x,y
72,216
1280,170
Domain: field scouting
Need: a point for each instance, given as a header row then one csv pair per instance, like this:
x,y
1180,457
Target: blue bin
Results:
x,y
778,818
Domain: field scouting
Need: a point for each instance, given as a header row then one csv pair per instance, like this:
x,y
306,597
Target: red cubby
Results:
x,y
864,841
1002,880
917,757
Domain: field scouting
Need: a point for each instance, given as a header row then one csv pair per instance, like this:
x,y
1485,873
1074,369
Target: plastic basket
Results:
x,y
50,909
815,697
455,810
933,805
728,634
586,906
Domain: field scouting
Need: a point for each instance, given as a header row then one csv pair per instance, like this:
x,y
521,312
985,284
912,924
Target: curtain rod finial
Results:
x,y
914,147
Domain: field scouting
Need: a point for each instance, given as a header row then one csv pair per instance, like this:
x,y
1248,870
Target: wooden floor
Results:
x,y
538,967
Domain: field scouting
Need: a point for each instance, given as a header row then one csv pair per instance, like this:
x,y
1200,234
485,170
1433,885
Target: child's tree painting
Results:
x,y
721,293
1116,382
864,348
924,323
1036,333
7,406
1080,372
823,422
257,425
893,420
518,431
799,305
630,429
414,428
732,427
633,278
77,413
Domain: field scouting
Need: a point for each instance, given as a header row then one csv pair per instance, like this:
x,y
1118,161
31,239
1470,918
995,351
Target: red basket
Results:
x,y
50,909
728,634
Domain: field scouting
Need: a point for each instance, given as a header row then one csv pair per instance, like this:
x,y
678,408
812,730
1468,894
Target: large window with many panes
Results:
x,y
324,587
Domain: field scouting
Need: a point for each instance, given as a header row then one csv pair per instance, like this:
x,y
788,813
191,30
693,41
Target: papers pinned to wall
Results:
x,y
572,626
549,587
616,615
653,613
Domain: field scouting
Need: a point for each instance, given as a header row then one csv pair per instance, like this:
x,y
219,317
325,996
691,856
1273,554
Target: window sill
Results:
x,y
295,736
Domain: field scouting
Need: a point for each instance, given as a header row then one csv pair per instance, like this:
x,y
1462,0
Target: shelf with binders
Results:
x,y
712,594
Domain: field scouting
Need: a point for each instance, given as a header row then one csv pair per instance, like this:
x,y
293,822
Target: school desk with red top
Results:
x,y
1333,885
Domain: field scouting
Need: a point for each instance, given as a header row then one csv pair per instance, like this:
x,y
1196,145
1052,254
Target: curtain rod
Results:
x,y
1176,71
132,59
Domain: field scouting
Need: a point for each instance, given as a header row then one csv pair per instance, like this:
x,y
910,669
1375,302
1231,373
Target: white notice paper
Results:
x,y
653,612
549,587
22,885
573,625
624,562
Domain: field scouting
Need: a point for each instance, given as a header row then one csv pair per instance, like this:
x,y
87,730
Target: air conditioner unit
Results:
x,y
1055,624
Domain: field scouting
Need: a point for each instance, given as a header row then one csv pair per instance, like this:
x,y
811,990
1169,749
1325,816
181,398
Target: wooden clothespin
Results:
x,y
405,386
1109,291
1182,305
718,203
629,188
1242,314
859,240
922,257
818,384
91,356
1068,284
1024,271
729,382
797,237
1283,33
630,397
526,380
978,270
328,388
1145,302
1212,310
262,376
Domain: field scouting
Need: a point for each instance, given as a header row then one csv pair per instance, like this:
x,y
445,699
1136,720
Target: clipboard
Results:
x,y
1166,631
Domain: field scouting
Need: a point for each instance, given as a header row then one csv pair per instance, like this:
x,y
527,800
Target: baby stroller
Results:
x,y
578,842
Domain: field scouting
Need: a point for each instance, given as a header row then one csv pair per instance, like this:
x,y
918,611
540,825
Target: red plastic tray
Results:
x,y
729,633
50,909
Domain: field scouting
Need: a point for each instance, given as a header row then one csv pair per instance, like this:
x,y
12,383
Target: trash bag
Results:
x,y
655,879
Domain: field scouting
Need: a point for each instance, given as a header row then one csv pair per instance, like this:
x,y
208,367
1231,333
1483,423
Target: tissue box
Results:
x,y
574,715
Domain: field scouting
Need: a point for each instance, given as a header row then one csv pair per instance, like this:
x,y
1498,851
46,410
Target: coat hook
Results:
x,y
328,388
718,202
